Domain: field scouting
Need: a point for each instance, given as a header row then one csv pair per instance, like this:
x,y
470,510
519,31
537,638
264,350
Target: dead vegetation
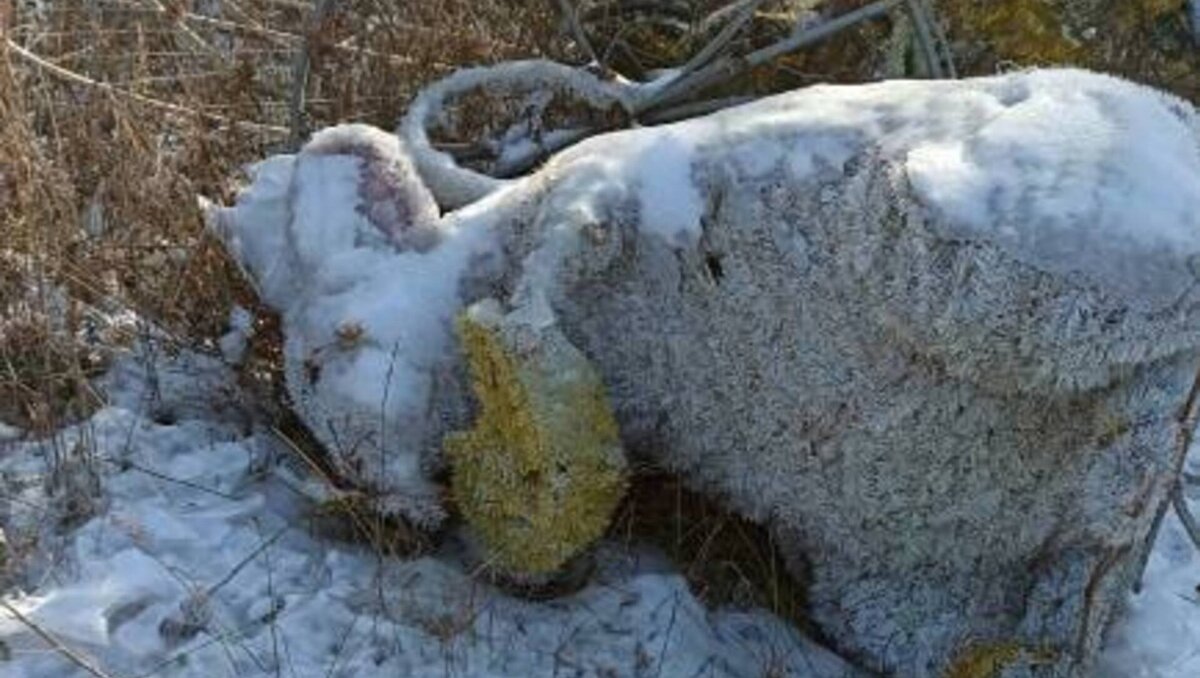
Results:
x,y
116,114
726,559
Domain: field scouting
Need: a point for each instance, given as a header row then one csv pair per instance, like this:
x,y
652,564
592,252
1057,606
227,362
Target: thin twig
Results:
x,y
939,34
916,12
1179,502
1194,15
300,73
1188,415
125,464
79,79
1148,546
212,590
731,29
294,39
187,32
73,656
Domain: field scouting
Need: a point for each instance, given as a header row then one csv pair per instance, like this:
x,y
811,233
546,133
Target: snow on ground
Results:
x,y
1160,635
199,561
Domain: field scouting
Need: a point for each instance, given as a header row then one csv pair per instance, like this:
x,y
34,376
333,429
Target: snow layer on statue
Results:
x,y
200,506
1102,197
456,186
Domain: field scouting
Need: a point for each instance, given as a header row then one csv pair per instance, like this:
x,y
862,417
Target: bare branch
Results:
x,y
572,17
728,68
298,121
731,29
693,109
1148,546
939,34
1179,502
916,11
1194,15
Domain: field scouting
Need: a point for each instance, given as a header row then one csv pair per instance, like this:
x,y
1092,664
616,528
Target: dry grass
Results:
x,y
726,559
139,106
116,114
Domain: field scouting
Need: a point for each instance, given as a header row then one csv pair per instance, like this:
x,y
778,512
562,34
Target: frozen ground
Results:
x,y
1160,635
199,561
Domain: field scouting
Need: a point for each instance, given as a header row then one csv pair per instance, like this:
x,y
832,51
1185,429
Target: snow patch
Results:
x,y
233,342
201,524
671,204
1159,636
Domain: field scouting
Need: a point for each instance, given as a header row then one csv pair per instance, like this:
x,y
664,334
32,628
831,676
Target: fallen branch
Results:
x,y
693,109
916,11
730,67
939,34
731,29
1194,15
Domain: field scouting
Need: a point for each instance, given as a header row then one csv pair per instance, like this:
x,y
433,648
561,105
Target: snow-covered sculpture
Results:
x,y
937,335
940,336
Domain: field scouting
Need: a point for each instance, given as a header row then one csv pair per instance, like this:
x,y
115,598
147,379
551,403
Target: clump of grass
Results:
x,y
726,559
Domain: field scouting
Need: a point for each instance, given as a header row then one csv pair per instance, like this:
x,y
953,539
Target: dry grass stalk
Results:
x,y
115,115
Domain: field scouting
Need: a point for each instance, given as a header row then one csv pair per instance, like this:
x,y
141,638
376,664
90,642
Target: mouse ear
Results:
x,y
382,185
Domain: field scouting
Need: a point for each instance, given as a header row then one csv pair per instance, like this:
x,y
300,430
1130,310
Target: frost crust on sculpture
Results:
x,y
936,379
